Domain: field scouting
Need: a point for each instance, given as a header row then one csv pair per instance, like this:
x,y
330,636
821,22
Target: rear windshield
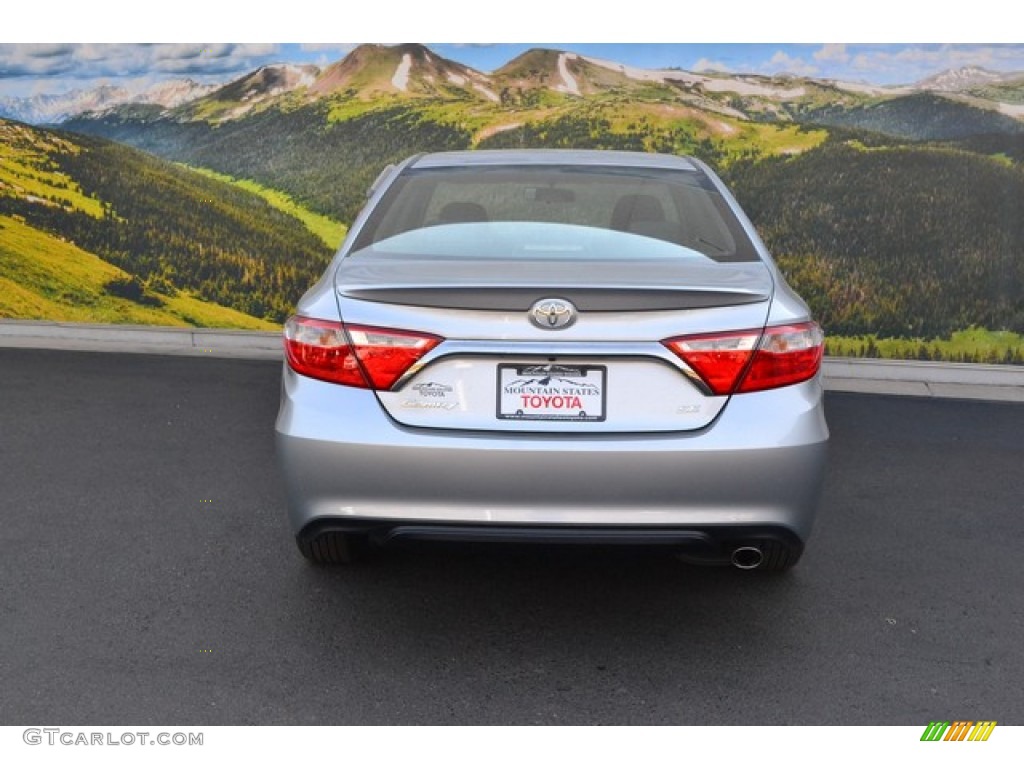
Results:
x,y
554,212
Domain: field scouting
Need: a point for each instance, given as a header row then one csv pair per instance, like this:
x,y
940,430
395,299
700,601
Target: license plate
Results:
x,y
551,392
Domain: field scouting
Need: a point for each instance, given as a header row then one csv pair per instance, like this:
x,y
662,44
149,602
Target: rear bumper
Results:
x,y
347,466
711,544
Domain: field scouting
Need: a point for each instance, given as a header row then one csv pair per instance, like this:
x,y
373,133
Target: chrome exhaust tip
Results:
x,y
747,558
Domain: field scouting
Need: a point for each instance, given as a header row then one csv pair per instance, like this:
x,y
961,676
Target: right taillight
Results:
x,y
787,354
751,361
353,355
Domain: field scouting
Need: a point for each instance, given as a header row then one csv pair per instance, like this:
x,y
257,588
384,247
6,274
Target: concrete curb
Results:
x,y
925,379
201,342
890,377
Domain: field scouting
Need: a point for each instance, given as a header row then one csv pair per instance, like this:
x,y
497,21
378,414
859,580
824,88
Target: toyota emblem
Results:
x,y
552,314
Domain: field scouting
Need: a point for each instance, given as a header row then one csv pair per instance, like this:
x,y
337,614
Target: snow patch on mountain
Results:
x,y
487,92
746,87
569,84
1013,110
867,88
174,93
635,73
307,76
456,79
401,77
738,84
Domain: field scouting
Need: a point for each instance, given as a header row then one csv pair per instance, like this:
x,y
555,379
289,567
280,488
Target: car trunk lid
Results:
x,y
498,371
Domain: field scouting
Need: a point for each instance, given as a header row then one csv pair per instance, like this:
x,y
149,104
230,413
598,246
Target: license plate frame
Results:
x,y
551,392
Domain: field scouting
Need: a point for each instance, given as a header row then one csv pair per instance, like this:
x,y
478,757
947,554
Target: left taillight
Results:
x,y
353,355
751,361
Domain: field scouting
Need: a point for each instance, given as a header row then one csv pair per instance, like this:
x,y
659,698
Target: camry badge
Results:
x,y
552,314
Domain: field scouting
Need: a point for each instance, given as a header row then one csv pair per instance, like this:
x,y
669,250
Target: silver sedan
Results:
x,y
553,346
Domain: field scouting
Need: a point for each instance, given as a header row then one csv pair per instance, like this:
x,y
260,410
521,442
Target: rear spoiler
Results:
x,y
380,178
388,170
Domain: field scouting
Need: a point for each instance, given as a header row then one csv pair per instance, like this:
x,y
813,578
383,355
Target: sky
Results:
x,y
33,68
896,45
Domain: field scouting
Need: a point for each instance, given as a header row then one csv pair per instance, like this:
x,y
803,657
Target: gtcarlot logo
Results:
x,y
58,736
959,730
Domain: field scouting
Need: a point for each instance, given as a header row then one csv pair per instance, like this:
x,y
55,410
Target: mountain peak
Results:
x,y
959,79
550,69
269,80
173,93
408,69
53,108
533,64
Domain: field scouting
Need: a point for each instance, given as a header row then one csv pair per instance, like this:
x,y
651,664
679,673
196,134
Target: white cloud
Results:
x,y
912,63
832,52
709,65
782,62
339,48
863,62
90,61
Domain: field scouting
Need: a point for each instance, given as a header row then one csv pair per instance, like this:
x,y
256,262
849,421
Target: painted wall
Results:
x,y
209,185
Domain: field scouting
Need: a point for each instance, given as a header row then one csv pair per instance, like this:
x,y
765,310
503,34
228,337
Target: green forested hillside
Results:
x,y
326,166
1006,147
171,228
44,277
592,129
896,241
921,116
331,232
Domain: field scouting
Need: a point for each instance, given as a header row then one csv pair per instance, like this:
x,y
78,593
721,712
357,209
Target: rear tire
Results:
x,y
334,548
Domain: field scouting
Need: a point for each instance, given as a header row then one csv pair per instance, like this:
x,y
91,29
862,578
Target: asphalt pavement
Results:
x,y
148,576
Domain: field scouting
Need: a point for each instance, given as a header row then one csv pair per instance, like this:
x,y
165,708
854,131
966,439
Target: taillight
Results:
x,y
787,354
749,361
353,355
386,354
319,349
718,358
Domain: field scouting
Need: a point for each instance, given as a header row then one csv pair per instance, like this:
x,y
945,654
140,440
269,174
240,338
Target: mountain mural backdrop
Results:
x,y
897,211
